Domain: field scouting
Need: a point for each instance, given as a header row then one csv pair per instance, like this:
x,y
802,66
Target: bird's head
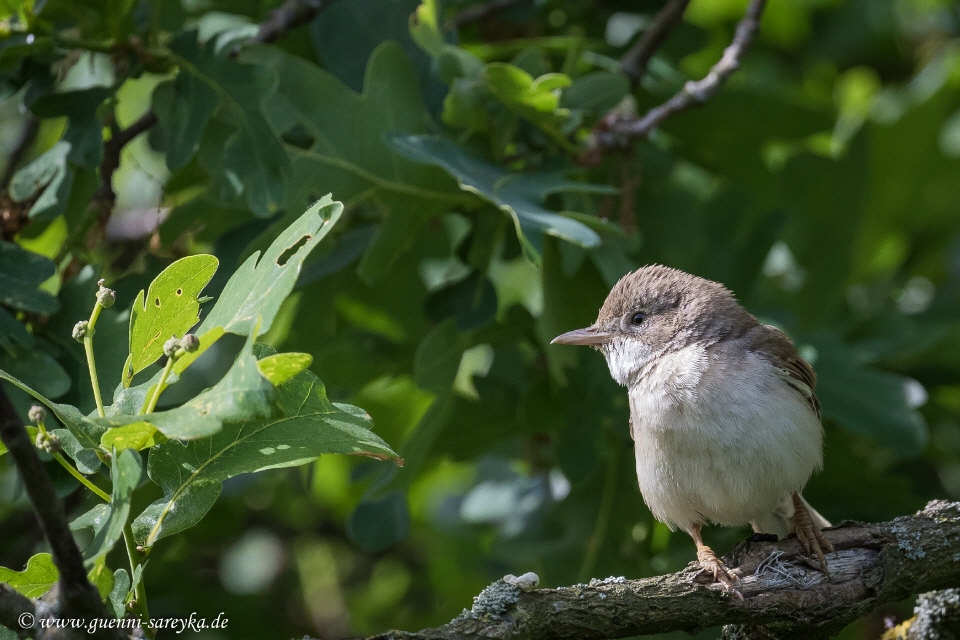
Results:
x,y
655,310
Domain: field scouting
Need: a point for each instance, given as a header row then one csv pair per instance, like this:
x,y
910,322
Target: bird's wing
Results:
x,y
770,342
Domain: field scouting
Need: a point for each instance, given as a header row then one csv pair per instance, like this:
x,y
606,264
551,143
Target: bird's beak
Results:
x,y
589,336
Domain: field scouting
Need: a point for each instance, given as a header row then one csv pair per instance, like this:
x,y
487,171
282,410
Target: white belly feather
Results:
x,y
714,445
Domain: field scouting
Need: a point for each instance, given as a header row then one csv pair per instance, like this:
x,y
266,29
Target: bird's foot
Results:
x,y
712,565
812,540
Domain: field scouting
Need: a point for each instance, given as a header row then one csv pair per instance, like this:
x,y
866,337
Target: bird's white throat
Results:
x,y
627,358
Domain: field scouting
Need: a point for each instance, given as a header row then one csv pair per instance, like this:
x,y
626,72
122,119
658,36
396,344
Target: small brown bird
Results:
x,y
723,412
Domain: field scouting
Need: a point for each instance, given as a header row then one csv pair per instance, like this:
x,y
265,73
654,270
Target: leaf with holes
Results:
x,y
36,579
169,308
255,292
191,474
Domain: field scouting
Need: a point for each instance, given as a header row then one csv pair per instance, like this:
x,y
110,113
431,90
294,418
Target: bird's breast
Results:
x,y
719,437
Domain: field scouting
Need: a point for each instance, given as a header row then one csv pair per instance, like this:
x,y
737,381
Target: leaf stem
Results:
x,y
161,385
81,478
139,591
91,361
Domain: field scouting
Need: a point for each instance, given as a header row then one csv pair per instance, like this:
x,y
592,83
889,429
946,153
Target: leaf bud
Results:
x,y
80,330
36,414
170,346
106,297
49,442
190,343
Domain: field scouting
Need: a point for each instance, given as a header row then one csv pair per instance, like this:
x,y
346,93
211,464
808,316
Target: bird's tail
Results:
x,y
780,521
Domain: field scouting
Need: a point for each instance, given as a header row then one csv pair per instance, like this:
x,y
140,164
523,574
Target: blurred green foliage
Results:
x,y
822,185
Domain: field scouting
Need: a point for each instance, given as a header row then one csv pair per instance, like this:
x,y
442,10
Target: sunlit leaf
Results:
x,y
169,308
34,581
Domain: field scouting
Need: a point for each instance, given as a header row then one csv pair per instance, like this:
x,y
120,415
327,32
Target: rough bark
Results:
x,y
783,596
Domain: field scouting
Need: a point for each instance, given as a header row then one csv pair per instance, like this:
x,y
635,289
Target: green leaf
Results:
x,y
251,155
85,434
437,359
380,523
108,520
243,393
535,99
102,578
49,179
256,290
137,435
191,474
283,367
184,106
518,195
36,579
21,272
20,357
170,308
425,28
85,130
596,93
865,400
347,152
118,595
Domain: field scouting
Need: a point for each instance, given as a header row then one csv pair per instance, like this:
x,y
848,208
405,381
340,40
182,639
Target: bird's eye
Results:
x,y
638,318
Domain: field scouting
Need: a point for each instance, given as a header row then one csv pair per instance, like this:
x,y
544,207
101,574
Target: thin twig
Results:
x,y
79,598
479,12
290,15
634,62
616,132
105,195
30,129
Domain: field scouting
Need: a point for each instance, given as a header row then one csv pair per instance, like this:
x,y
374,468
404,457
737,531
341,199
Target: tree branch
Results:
x,y
634,62
78,597
105,195
616,132
874,564
13,607
290,15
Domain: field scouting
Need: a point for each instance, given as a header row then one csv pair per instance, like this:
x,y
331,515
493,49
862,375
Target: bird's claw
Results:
x,y
811,538
712,565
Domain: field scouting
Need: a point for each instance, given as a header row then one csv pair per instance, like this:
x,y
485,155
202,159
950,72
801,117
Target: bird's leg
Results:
x,y
710,563
811,538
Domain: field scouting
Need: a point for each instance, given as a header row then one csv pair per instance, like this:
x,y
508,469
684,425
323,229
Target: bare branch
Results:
x,y
479,12
874,564
616,132
105,195
634,62
79,598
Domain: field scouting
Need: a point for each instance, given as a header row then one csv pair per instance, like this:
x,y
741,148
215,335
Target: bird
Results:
x,y
723,410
